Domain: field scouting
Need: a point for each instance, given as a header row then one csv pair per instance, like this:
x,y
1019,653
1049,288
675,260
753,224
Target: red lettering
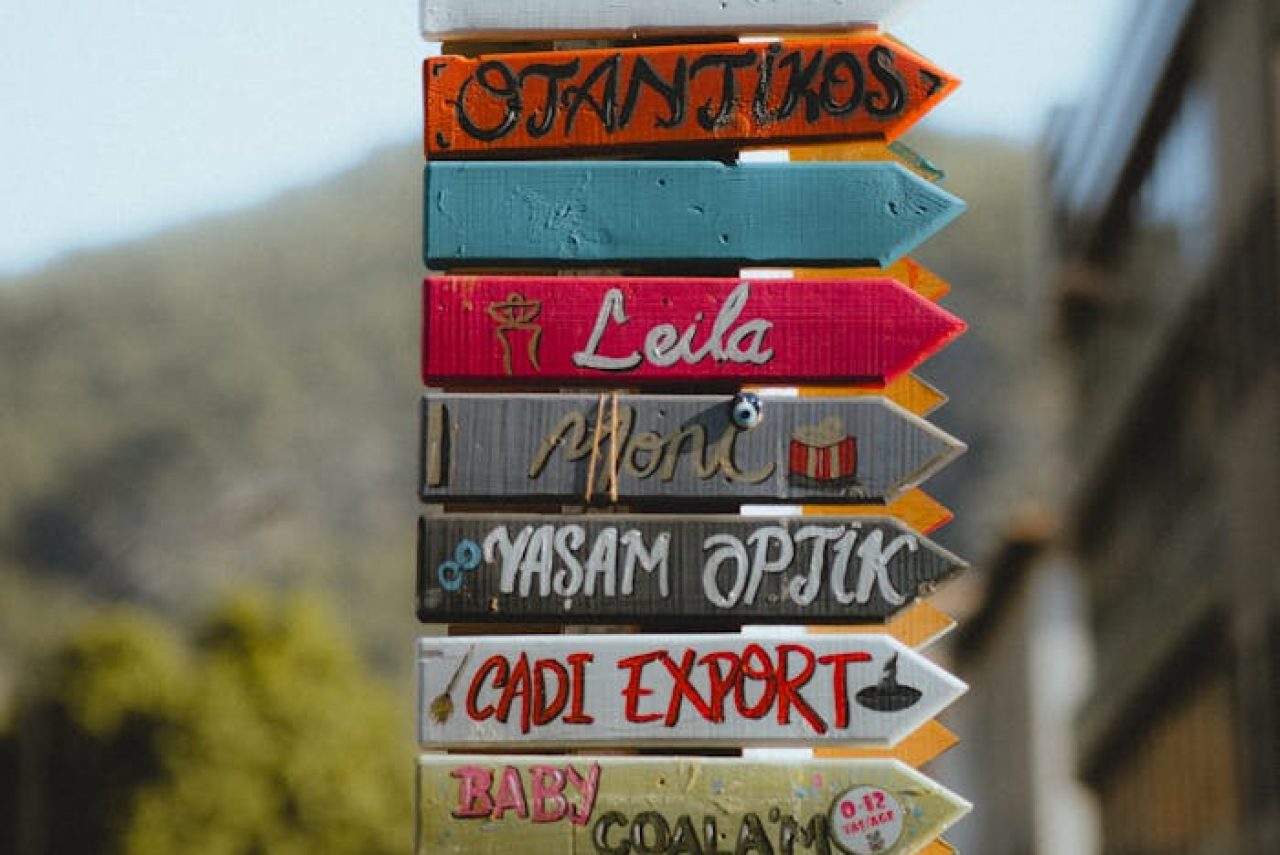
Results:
x,y
577,689
840,681
788,695
544,712
721,682
682,688
493,663
764,673
520,686
633,692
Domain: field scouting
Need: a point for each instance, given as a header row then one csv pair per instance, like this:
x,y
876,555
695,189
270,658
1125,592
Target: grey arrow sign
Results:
x,y
704,569
645,449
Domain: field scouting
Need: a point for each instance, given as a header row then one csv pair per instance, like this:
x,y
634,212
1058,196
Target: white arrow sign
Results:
x,y
532,20
594,690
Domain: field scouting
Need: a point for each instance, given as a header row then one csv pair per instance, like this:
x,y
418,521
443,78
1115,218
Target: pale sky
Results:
x,y
122,117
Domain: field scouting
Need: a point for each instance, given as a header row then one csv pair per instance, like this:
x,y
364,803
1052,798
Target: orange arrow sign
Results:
x,y
870,150
928,742
860,85
915,276
916,508
917,627
907,391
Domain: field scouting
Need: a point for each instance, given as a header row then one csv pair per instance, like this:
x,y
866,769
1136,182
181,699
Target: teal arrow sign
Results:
x,y
590,213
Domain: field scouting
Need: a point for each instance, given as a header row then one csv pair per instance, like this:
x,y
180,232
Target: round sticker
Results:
x,y
866,821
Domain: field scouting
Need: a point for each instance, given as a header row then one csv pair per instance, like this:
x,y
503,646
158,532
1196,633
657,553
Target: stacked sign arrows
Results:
x,y
602,401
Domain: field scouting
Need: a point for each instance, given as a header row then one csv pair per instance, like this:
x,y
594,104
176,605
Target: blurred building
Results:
x,y
1163,202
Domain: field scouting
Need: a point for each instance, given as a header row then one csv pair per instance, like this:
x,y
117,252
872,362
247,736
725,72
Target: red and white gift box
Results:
x,y
824,452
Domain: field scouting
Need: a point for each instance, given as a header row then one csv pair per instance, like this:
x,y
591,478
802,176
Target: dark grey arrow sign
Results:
x,y
704,569
647,449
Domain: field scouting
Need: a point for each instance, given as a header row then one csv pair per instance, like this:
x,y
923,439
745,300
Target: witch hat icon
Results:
x,y
889,695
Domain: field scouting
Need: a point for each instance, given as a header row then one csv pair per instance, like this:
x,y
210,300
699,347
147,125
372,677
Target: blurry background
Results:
x,y
210,244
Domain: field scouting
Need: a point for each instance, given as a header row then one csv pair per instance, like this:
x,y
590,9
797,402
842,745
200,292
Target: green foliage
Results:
x,y
266,735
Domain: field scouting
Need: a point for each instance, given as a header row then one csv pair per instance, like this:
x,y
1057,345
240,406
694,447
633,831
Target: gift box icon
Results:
x,y
824,452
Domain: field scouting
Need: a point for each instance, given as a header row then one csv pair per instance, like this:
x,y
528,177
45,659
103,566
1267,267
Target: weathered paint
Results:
x,y
528,20
672,449
774,689
925,745
574,213
659,98
707,570
666,332
511,805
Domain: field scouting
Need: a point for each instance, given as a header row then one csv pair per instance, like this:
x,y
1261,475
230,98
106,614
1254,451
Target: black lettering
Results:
x,y
684,840
799,85
508,90
831,79
894,98
812,836
752,838
674,93
553,74
600,834
760,105
731,62
606,110
661,833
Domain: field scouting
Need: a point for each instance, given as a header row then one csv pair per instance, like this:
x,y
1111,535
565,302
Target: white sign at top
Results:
x,y
537,20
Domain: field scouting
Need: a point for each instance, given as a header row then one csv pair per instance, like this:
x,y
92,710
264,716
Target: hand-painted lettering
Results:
x,y
551,793
665,345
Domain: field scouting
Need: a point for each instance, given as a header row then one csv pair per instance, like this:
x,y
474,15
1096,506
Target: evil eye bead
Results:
x,y
748,411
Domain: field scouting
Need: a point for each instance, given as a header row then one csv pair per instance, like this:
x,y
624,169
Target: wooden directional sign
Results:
x,y
706,569
692,95
869,150
907,271
906,390
672,449
599,331
918,626
675,690
541,20
925,745
596,213
495,805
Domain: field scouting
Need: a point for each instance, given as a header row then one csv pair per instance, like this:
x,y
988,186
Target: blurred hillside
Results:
x,y
234,401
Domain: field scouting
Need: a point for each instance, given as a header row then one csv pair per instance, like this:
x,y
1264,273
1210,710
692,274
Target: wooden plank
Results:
x,y
915,276
869,150
675,690
926,744
906,390
496,805
917,626
642,449
657,99
525,20
593,213
670,332
707,570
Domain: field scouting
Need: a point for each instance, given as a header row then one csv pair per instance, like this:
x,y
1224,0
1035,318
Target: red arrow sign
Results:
x,y
668,332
